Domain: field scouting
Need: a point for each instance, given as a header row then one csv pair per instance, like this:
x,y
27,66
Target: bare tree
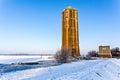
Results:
x,y
92,53
115,51
63,56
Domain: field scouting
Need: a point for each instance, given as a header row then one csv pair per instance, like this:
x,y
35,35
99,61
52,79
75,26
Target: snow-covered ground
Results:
x,y
101,69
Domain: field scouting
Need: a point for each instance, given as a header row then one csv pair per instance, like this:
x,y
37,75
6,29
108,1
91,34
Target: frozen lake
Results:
x,y
16,59
18,63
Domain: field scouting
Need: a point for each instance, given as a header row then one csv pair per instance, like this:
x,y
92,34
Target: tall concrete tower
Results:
x,y
70,37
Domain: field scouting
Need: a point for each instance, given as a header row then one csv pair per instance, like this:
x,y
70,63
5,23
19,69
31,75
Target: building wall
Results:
x,y
104,51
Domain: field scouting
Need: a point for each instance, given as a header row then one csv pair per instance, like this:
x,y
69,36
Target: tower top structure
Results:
x,y
70,7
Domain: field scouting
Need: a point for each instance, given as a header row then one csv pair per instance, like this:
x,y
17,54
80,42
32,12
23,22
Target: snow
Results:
x,y
101,69
21,74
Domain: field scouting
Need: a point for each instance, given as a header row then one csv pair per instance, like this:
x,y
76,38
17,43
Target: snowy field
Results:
x,y
101,69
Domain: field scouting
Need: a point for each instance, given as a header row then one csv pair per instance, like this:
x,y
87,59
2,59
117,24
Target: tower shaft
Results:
x,y
70,37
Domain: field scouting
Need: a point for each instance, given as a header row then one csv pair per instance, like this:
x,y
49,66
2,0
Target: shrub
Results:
x,y
63,56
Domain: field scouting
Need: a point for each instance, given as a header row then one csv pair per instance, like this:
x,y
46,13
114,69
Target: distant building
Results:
x,y
105,52
70,37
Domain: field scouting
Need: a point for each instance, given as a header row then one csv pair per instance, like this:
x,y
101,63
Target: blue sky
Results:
x,y
34,26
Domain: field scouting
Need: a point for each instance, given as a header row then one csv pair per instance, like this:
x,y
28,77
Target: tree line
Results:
x,y
66,55
114,51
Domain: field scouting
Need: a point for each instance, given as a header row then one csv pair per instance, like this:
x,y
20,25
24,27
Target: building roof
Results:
x,y
70,7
